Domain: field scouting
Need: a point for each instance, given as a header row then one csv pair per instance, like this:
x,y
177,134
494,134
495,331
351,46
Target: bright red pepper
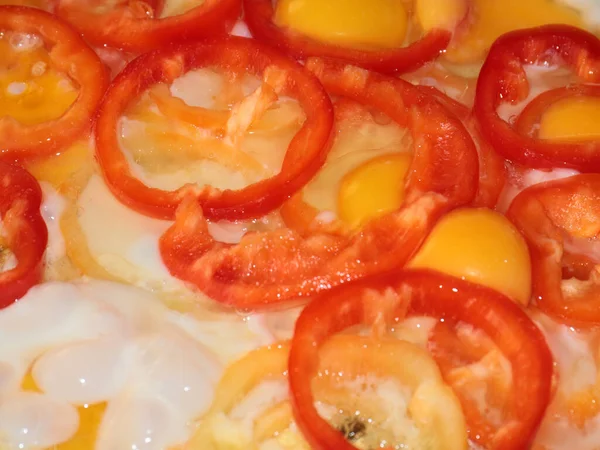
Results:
x,y
25,231
303,218
492,172
266,269
527,124
258,14
69,54
502,79
439,296
305,155
553,217
136,25
450,353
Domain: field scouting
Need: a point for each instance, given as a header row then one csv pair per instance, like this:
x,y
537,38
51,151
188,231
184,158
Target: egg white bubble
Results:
x,y
32,420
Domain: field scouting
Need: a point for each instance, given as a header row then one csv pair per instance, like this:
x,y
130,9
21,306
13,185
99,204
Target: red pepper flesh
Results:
x,y
439,296
24,229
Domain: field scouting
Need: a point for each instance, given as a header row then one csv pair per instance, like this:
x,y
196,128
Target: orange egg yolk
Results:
x,y
481,246
576,118
90,417
31,91
374,188
489,19
349,23
444,14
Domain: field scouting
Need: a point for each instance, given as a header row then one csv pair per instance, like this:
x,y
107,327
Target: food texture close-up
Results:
x,y
299,224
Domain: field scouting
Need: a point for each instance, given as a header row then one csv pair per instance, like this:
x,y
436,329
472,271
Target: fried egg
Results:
x,y
99,364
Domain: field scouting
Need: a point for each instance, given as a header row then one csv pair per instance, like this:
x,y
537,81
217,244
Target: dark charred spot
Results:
x,y
353,429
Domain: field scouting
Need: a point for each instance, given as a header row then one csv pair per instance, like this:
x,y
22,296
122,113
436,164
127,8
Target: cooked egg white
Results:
x,y
177,153
130,250
530,177
95,342
574,352
589,11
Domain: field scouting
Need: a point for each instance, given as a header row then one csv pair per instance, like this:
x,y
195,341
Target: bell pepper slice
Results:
x,y
136,25
423,293
502,79
266,269
24,231
259,14
550,216
492,172
305,155
527,124
69,54
453,356
304,218
46,5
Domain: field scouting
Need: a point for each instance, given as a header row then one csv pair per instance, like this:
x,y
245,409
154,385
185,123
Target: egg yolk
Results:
x,y
373,188
90,417
572,118
31,91
351,23
489,19
481,246
445,14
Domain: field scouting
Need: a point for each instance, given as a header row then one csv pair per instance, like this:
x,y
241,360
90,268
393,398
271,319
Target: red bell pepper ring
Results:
x,y
305,155
303,218
527,124
135,25
24,230
70,54
492,172
550,215
269,268
258,15
502,79
450,352
439,296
